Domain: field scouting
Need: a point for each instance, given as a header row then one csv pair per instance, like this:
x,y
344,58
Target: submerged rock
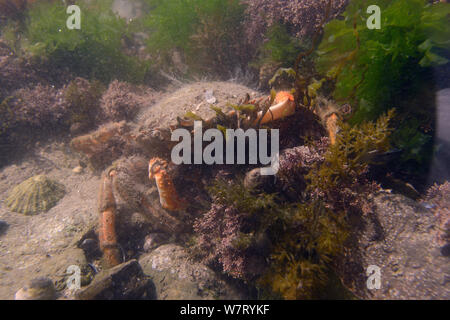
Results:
x,y
399,238
176,277
125,281
35,195
38,289
78,170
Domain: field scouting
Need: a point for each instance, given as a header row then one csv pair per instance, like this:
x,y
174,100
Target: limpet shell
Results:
x,y
35,195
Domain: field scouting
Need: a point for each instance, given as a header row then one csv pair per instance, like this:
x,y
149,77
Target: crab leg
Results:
x,y
107,230
332,127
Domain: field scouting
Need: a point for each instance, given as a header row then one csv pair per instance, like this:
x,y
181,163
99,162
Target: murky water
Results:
x,y
236,149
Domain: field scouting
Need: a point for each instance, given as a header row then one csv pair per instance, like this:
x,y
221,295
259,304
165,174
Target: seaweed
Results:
x,y
83,101
94,51
392,67
280,47
6,116
314,233
312,236
207,33
232,234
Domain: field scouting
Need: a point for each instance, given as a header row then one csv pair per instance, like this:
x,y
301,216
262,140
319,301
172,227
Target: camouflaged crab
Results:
x,y
143,164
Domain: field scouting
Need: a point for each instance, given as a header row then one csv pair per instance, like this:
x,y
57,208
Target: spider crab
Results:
x,y
118,180
131,178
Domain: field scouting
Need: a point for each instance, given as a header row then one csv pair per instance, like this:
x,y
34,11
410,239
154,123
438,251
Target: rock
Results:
x,y
266,73
400,238
38,289
153,240
3,226
128,10
440,167
78,170
125,281
209,97
91,248
35,195
257,182
176,277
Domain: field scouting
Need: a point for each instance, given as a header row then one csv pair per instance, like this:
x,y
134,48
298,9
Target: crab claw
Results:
x,y
168,196
284,106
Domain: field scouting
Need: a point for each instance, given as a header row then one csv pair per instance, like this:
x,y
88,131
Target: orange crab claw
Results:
x,y
332,127
284,106
168,196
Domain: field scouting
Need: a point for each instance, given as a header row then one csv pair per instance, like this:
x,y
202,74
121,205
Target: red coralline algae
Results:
x,y
14,73
438,197
122,100
296,162
302,17
217,232
41,106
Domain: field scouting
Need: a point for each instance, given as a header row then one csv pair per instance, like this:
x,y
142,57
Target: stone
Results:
x,y
255,181
125,281
77,170
177,277
38,289
153,240
400,238
209,97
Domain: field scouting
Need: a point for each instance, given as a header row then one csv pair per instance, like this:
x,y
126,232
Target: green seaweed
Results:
x,y
354,150
313,234
261,209
391,67
83,103
206,33
94,51
280,47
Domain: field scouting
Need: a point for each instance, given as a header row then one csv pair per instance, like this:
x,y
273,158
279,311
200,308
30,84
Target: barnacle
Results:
x,y
168,196
35,195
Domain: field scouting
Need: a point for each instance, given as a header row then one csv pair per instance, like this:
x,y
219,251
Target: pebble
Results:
x,y
38,289
209,97
153,240
77,170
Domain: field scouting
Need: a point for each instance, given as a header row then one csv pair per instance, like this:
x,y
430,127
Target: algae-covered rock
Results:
x,y
177,277
400,238
38,289
35,195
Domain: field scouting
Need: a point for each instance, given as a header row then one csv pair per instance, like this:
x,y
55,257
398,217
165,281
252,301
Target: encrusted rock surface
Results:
x,y
176,277
44,245
125,281
400,238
